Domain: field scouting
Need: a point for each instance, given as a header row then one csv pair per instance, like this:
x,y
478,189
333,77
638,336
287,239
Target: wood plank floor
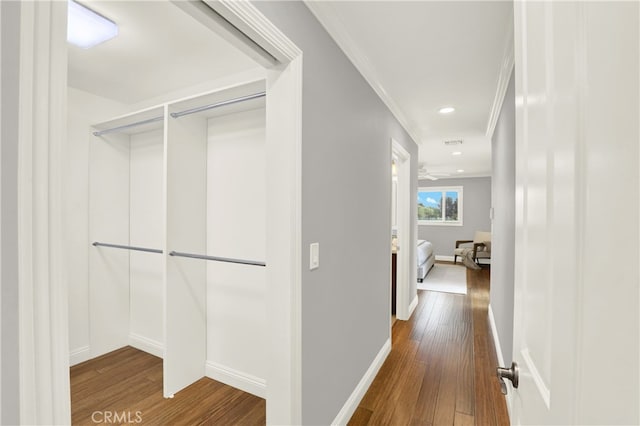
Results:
x,y
125,387
441,369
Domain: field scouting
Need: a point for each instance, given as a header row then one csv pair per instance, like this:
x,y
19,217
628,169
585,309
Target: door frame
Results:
x,y
406,262
42,309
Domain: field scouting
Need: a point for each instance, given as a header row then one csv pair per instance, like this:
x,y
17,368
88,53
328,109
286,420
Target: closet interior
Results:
x,y
173,253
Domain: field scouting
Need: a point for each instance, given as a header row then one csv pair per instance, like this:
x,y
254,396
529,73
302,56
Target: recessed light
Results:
x,y
456,153
86,28
446,110
460,170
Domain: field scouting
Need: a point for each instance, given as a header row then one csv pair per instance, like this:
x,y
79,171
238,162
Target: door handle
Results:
x,y
512,374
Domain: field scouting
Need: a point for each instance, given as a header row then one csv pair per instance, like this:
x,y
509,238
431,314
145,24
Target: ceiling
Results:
x,y
418,55
159,49
423,55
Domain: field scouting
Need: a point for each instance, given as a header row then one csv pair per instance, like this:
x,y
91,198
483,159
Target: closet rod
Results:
x,y
126,126
218,104
216,258
150,250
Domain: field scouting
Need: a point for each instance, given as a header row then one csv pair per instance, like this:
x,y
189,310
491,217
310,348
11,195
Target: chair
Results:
x,y
481,246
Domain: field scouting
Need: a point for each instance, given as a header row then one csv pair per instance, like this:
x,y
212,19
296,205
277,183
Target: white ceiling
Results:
x,y
418,56
423,55
159,49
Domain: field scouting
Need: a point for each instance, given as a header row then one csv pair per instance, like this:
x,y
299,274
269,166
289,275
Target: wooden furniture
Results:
x,y
481,246
394,273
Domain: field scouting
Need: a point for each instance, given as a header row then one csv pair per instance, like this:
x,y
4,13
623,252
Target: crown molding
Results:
x,y
508,62
337,31
250,21
246,23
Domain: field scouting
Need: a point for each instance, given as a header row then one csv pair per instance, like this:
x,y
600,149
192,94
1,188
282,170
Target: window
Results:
x,y
440,206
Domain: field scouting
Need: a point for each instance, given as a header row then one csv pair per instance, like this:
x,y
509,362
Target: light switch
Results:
x,y
314,256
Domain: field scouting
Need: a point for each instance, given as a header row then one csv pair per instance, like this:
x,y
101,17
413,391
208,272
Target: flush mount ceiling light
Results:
x,y
456,153
86,28
446,110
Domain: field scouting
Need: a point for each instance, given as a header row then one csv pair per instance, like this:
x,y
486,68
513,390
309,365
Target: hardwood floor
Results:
x,y
125,387
441,369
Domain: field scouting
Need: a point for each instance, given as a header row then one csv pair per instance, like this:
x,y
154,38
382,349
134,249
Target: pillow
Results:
x,y
487,245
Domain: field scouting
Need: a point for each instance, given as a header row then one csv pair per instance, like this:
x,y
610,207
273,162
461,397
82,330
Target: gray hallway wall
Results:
x,y
503,192
346,207
9,290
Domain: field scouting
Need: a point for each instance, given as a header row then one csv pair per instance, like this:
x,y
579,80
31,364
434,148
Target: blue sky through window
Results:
x,y
430,199
440,205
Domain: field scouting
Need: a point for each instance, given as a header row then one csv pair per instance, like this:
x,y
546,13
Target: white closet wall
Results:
x,y
84,109
146,229
190,186
185,284
109,223
236,214
126,208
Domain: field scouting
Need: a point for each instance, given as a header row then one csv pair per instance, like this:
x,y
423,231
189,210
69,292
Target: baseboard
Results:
x,y
147,345
356,396
445,258
496,341
79,355
412,305
236,379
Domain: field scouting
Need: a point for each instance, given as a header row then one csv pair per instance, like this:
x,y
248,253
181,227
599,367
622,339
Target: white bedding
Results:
x,y
425,249
426,258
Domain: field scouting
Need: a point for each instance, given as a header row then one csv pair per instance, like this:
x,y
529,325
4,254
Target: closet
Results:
x,y
177,236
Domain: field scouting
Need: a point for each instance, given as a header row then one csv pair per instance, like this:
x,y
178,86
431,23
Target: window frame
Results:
x,y
443,190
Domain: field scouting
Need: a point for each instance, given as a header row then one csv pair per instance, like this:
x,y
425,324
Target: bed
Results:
x,y
426,258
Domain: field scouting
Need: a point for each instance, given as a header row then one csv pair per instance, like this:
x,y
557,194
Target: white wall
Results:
x,y
145,226
84,109
236,310
146,229
236,214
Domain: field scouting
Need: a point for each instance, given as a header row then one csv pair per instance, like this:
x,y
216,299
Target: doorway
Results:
x,y
401,228
42,167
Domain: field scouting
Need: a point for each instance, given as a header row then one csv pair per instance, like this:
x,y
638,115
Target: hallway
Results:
x,y
447,337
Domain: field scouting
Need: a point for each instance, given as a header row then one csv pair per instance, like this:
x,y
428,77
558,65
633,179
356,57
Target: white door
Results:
x,y
576,282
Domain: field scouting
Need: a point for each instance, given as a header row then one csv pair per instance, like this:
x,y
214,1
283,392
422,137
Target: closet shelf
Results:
x,y
119,246
218,259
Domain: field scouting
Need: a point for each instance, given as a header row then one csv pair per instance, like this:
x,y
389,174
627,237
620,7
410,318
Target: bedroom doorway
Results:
x,y
400,229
